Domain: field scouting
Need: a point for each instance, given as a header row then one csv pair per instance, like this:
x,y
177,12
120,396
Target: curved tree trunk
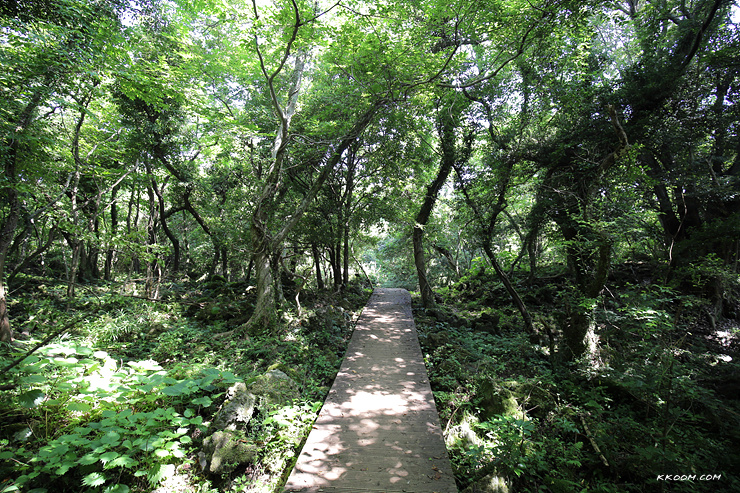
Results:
x,y
30,258
451,262
8,192
526,316
6,237
159,192
425,289
446,130
269,243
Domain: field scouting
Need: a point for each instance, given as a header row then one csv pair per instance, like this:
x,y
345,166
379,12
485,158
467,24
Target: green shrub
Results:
x,y
104,424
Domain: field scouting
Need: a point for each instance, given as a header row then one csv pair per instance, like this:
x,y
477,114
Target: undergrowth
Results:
x,y
120,402
650,405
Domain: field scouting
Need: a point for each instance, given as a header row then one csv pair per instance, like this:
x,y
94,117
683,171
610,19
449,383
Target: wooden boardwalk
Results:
x,y
378,430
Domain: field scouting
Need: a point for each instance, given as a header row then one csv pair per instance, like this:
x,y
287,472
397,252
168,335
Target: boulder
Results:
x,y
437,339
237,410
275,388
487,323
495,400
462,436
227,449
489,484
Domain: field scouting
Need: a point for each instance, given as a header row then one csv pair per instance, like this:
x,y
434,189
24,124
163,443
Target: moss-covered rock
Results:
x,y
463,436
489,484
227,449
274,388
495,400
236,411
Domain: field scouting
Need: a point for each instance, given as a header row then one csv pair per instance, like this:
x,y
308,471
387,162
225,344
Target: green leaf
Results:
x,y
88,459
118,488
94,479
108,456
160,452
202,401
83,350
32,398
122,461
66,466
29,379
159,472
65,362
111,438
78,406
175,390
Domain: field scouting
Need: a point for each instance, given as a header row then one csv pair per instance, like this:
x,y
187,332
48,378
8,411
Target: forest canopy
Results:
x,y
567,171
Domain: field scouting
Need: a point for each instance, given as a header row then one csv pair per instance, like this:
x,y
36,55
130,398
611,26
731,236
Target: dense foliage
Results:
x,y
186,181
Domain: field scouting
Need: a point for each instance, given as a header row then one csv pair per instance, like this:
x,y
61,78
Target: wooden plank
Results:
x,y
378,429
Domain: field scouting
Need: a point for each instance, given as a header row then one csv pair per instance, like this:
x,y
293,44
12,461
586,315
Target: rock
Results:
x,y
462,436
290,372
275,388
489,484
227,449
437,339
488,323
496,400
237,410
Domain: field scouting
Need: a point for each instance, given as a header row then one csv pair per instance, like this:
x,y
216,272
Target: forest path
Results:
x,y
379,429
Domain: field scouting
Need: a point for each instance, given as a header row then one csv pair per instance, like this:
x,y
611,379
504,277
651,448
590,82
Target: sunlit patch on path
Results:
x,y
379,429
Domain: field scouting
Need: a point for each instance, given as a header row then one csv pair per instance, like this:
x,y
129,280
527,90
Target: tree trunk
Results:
x,y
528,325
446,130
317,264
347,208
336,264
151,286
6,238
345,260
214,262
9,158
427,295
93,252
264,316
74,241
268,243
449,258
248,275
159,192
30,258
109,254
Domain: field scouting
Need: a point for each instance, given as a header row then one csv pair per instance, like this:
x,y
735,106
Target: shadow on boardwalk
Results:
x,y
378,429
